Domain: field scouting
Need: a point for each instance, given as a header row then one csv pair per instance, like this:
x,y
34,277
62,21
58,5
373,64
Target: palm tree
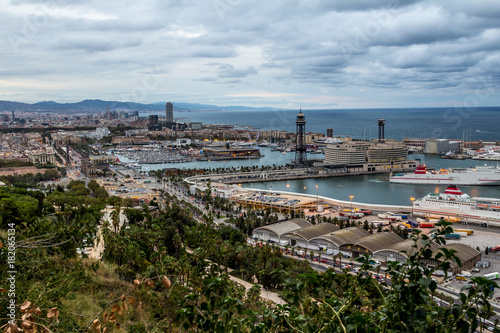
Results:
x,y
177,241
115,217
339,255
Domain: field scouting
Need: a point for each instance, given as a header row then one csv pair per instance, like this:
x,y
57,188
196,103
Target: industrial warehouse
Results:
x,y
354,242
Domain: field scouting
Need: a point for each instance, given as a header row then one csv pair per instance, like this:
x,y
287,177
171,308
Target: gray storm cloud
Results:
x,y
328,53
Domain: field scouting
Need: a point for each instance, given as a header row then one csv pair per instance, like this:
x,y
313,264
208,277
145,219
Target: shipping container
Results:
x,y
364,211
469,232
413,224
377,223
452,236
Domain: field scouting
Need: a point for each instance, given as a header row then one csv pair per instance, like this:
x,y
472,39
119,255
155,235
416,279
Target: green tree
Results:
x,y
114,200
101,193
133,215
115,217
128,202
93,185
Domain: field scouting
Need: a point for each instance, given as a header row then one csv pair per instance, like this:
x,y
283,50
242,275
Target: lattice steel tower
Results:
x,y
300,141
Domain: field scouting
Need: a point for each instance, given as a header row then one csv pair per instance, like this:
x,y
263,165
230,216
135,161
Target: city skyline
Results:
x,y
360,54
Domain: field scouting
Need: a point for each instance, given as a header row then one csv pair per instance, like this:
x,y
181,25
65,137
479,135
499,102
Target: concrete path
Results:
x,y
98,249
265,294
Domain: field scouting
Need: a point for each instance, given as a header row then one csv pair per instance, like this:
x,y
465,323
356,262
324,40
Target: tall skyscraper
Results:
x,y
170,112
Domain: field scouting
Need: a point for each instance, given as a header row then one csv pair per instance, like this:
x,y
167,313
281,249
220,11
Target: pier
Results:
x,y
277,175
290,201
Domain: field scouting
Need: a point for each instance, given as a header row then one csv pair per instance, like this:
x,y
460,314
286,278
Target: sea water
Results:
x,y
449,123
474,123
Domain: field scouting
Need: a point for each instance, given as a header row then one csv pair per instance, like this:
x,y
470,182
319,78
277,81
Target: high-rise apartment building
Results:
x,y
169,112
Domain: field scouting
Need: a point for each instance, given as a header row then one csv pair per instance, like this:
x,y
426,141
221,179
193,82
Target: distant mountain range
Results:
x,y
97,105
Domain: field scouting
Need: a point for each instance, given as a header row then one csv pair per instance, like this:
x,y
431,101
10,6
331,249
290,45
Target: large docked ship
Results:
x,y
455,203
479,175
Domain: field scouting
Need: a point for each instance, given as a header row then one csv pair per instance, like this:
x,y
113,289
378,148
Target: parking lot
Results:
x,y
494,260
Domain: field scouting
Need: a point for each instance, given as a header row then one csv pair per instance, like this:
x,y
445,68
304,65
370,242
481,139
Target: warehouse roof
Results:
x,y
283,227
378,241
312,231
407,246
344,236
464,252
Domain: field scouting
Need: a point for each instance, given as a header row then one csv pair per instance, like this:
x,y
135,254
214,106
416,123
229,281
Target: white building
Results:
x,y
183,142
441,146
101,132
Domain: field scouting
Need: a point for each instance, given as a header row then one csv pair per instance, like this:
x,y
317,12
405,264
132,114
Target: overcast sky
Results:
x,y
285,54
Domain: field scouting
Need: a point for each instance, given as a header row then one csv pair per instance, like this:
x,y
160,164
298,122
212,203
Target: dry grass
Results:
x,y
104,287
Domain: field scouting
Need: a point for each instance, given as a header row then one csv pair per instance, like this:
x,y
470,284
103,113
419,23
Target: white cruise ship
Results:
x,y
479,175
455,203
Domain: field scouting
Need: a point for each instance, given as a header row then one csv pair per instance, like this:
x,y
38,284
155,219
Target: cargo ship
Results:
x,y
455,203
479,175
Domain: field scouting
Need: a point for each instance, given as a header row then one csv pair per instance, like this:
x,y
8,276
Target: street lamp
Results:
x,y
350,215
317,200
412,199
271,194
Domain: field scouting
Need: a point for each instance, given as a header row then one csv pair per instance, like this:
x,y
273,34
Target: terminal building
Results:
x,y
368,156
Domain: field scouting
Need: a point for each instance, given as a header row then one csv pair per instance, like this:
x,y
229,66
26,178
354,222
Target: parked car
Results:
x,y
475,269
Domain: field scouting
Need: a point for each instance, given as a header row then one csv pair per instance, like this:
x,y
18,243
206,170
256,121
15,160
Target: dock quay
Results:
x,y
226,158
156,156
290,201
275,175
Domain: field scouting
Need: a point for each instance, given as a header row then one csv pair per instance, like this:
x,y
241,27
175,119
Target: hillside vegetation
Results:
x,y
168,273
